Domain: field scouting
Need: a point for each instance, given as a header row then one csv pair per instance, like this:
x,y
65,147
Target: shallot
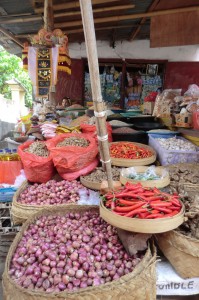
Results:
x,y
43,261
51,193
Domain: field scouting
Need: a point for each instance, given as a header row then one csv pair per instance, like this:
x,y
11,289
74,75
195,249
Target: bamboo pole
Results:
x,y
91,48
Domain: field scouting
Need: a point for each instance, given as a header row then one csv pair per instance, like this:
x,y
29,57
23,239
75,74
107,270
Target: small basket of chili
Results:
x,y
142,209
128,154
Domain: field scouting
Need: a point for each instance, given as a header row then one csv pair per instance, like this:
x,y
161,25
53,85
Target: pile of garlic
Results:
x,y
176,144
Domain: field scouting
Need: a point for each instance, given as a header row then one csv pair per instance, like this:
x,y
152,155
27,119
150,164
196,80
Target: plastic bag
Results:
x,y
193,91
9,170
84,171
91,129
88,197
37,168
149,174
20,179
72,159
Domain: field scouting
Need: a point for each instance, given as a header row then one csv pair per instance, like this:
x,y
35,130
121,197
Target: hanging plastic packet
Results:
x,y
88,197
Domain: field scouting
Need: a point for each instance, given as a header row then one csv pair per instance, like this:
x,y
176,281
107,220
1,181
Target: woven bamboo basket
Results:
x,y
182,252
122,162
137,285
142,225
159,183
90,184
21,212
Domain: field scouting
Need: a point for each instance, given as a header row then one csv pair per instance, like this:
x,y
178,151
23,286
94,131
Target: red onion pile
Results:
x,y
69,252
51,193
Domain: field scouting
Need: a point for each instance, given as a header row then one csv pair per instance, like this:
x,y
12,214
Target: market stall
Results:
x,y
90,213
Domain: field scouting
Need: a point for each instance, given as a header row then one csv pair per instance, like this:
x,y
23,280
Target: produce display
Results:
x,y
149,174
70,252
124,130
176,144
184,173
74,141
129,151
136,201
51,193
98,175
38,148
66,129
118,123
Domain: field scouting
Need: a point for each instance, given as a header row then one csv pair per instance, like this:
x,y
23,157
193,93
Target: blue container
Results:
x,y
162,133
6,194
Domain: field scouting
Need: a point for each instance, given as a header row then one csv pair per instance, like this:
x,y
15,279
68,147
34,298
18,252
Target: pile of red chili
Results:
x,y
128,150
136,201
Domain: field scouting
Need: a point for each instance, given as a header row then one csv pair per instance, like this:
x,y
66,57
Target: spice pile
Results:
x,y
118,123
70,252
136,201
124,130
128,150
74,141
38,148
98,175
51,193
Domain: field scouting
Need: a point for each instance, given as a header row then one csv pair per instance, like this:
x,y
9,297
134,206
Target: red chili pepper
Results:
x,y
154,211
175,212
165,210
135,212
175,202
128,202
160,204
155,216
128,208
143,215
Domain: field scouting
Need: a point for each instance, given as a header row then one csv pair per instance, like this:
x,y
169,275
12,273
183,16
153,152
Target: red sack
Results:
x,y
36,168
71,159
82,172
91,129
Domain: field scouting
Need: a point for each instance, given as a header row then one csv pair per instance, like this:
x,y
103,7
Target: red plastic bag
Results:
x,y
9,170
86,170
37,168
70,159
91,129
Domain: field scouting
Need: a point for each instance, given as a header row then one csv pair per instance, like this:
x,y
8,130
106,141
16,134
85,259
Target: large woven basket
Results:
x,y
22,212
122,162
141,225
137,285
182,252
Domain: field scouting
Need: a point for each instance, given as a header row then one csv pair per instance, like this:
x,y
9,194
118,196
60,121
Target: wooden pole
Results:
x,y
91,47
49,26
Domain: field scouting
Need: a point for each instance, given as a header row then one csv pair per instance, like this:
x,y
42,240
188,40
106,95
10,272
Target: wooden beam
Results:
x,y
48,15
73,4
130,16
11,36
96,10
15,20
79,30
135,32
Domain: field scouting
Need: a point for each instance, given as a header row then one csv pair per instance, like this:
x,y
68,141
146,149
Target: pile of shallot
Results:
x,y
69,252
51,193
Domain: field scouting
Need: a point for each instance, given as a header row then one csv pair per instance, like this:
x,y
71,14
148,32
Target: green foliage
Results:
x,y
10,68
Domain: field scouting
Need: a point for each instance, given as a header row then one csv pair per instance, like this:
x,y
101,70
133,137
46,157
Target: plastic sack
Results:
x,y
91,129
193,91
20,179
9,170
71,159
84,171
88,197
37,168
